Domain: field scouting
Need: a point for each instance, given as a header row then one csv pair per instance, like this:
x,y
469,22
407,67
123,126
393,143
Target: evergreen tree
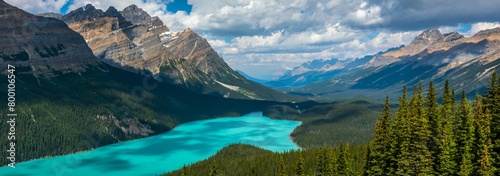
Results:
x,y
320,163
329,163
492,103
484,146
299,168
434,123
184,171
343,161
453,97
443,140
380,147
447,95
282,167
447,149
214,169
367,168
400,152
465,137
420,162
324,162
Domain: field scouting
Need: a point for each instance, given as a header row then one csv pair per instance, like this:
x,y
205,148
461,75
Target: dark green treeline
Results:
x,y
427,138
240,159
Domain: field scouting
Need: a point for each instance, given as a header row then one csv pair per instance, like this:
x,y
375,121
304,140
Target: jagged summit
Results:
x,y
112,12
452,36
428,37
131,15
87,12
136,15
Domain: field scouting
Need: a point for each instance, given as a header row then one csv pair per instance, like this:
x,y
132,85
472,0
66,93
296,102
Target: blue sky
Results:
x,y
261,37
179,5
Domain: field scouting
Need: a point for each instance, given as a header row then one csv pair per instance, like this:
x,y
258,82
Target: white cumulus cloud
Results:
x,y
268,34
38,6
476,27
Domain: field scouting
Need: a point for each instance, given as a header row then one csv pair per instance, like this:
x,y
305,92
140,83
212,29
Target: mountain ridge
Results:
x,y
321,70
27,43
133,40
466,61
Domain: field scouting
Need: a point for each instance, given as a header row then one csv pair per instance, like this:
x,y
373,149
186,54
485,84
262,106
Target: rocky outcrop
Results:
x,y
40,45
87,12
122,22
190,46
453,36
129,126
119,42
427,37
138,16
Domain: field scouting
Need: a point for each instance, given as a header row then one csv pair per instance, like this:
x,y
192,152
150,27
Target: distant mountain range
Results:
x,y
310,72
319,70
466,61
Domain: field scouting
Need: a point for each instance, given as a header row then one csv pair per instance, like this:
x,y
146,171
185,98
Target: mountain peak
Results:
x,y
428,37
132,7
87,12
136,15
431,32
88,7
112,12
188,31
452,36
111,9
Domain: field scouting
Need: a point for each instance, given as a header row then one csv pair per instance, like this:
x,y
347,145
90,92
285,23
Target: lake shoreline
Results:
x,y
185,144
291,138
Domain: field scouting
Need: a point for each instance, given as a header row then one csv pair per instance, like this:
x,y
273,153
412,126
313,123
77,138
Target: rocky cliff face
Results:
x,y
133,40
40,45
190,46
116,41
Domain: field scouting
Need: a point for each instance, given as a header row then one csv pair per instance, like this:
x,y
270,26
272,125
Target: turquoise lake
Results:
x,y
185,144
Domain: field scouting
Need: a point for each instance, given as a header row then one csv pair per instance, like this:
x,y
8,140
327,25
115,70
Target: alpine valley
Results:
x,y
125,84
117,92
91,78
